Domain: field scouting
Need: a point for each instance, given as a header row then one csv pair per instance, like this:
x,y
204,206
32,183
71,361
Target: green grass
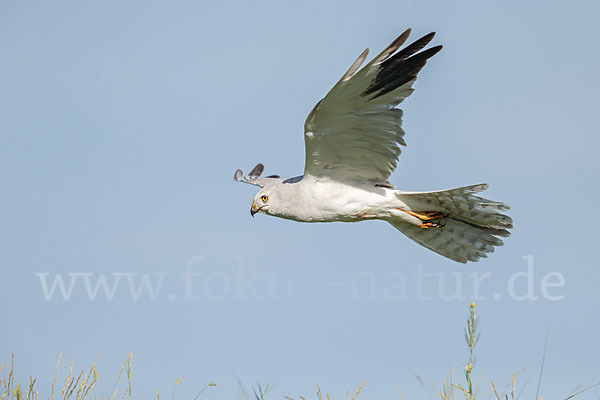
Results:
x,y
83,385
86,385
451,390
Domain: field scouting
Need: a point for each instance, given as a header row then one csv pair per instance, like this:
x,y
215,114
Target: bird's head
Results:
x,y
262,202
266,201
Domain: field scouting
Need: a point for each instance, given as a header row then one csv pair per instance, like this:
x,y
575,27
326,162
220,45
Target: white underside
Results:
x,y
469,232
323,200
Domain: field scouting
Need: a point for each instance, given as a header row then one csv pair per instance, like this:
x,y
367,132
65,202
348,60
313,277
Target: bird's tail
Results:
x,y
455,223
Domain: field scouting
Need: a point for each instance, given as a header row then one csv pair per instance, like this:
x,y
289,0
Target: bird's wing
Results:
x,y
253,178
355,132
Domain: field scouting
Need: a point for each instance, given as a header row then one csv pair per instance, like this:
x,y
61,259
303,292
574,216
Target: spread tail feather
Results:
x,y
470,228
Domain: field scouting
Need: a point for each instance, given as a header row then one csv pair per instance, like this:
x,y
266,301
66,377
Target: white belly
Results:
x,y
326,201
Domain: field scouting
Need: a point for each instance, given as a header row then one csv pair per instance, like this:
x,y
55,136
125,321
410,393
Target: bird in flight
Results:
x,y
352,139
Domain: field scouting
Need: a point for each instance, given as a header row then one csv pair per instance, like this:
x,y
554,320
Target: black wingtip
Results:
x,y
429,37
414,46
403,66
430,52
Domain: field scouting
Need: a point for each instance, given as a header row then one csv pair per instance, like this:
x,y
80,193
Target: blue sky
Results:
x,y
121,124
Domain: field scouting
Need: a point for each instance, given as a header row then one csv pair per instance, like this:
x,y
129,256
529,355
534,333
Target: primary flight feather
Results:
x,y
353,138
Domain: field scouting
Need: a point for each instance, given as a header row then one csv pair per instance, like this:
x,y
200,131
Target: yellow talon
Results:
x,y
427,215
431,219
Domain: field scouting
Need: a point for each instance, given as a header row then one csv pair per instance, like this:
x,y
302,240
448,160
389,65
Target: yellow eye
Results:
x,y
264,199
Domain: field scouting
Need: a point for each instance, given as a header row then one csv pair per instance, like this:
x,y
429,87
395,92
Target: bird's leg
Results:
x,y
427,215
431,219
426,225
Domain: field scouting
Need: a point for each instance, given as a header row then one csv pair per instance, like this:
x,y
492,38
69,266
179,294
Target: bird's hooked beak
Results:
x,y
255,209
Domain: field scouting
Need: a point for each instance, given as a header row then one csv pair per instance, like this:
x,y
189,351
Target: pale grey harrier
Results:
x,y
353,138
